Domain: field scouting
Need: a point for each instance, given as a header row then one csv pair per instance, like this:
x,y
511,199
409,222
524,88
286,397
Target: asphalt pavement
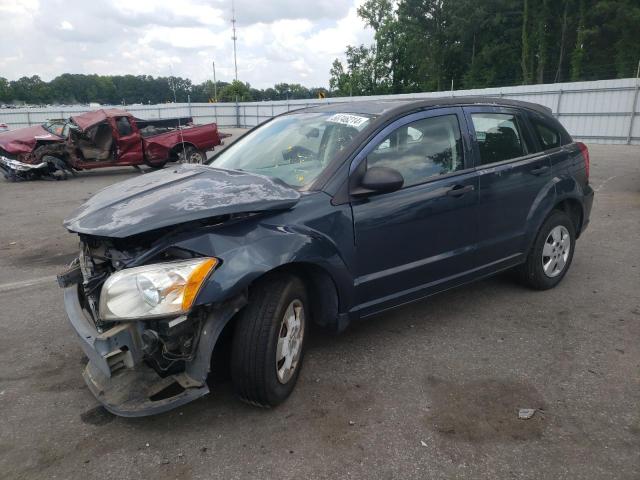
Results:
x,y
431,390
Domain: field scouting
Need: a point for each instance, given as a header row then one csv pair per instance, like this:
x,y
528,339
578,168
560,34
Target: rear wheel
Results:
x,y
191,154
268,343
551,254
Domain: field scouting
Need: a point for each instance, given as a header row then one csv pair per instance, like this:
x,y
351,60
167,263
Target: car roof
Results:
x,y
383,106
88,119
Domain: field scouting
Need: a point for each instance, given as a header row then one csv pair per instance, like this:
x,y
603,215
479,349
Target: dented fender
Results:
x,y
242,265
254,246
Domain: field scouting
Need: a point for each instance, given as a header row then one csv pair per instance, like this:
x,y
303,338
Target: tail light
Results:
x,y
585,155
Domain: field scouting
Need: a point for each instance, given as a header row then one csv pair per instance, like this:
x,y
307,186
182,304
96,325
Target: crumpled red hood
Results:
x,y
24,139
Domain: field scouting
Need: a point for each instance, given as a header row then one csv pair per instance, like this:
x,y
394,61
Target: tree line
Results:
x,y
427,45
128,89
419,45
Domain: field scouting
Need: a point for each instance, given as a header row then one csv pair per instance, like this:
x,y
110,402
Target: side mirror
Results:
x,y
379,180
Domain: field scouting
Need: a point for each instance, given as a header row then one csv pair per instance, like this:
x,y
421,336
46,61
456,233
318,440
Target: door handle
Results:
x,y
540,170
459,190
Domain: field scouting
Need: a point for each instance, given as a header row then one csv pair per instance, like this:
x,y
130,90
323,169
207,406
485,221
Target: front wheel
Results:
x,y
268,342
551,254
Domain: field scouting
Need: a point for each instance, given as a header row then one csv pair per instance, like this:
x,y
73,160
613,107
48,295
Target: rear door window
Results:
x,y
499,137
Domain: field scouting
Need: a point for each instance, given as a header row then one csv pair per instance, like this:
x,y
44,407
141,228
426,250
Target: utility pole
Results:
x,y
234,38
215,84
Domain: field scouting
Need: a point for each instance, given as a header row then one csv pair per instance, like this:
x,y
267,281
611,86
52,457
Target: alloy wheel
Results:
x,y
555,252
290,338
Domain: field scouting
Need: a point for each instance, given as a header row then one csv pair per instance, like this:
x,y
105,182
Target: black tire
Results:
x,y
254,369
191,155
157,166
532,272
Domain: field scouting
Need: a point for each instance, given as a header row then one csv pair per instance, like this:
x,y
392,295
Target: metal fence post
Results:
x,y
557,114
237,113
633,109
159,114
28,117
189,102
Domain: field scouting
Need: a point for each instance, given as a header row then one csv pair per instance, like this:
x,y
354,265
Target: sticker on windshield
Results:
x,y
348,119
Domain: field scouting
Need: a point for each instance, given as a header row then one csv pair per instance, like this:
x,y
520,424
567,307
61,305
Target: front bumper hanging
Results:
x,y
116,373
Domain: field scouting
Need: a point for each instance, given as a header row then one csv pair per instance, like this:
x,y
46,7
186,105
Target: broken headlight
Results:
x,y
154,290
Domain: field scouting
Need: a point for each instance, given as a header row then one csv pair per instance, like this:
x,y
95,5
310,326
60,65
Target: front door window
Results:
x,y
421,150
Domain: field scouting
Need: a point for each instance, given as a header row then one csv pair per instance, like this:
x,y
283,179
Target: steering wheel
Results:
x,y
298,154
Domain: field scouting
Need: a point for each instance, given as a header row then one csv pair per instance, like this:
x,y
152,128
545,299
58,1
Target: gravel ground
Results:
x,y
431,390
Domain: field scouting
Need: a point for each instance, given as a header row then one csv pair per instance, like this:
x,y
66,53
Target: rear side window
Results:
x,y
420,150
499,137
549,137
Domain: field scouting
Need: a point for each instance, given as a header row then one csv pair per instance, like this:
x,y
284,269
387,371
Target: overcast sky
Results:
x,y
292,41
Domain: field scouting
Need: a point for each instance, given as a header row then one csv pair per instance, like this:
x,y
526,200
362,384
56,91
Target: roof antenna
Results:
x,y
234,37
172,86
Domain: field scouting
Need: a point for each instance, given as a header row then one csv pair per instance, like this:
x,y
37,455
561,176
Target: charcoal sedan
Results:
x,y
325,215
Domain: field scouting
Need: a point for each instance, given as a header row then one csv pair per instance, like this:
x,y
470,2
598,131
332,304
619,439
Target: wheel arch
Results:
x,y
43,148
574,210
324,297
324,301
175,150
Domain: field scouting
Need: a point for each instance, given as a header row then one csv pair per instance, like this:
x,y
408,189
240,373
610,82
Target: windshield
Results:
x,y
294,148
57,127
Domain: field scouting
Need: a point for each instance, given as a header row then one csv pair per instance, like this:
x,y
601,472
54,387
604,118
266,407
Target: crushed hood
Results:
x,y
177,195
24,139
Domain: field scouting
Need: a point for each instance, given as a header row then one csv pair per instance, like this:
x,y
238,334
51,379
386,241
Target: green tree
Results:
x,y
5,90
236,91
30,90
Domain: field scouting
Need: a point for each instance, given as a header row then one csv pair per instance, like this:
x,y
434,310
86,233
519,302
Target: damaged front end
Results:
x,y
143,295
49,167
149,347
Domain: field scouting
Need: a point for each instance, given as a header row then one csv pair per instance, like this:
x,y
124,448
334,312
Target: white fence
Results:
x,y
602,111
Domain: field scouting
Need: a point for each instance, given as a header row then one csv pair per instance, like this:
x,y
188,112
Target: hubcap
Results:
x,y
290,338
194,157
555,252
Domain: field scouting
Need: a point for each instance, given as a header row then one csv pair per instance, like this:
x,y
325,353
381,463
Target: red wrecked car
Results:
x,y
103,138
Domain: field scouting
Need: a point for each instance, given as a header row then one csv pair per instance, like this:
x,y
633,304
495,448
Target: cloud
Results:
x,y
65,25
250,11
278,41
